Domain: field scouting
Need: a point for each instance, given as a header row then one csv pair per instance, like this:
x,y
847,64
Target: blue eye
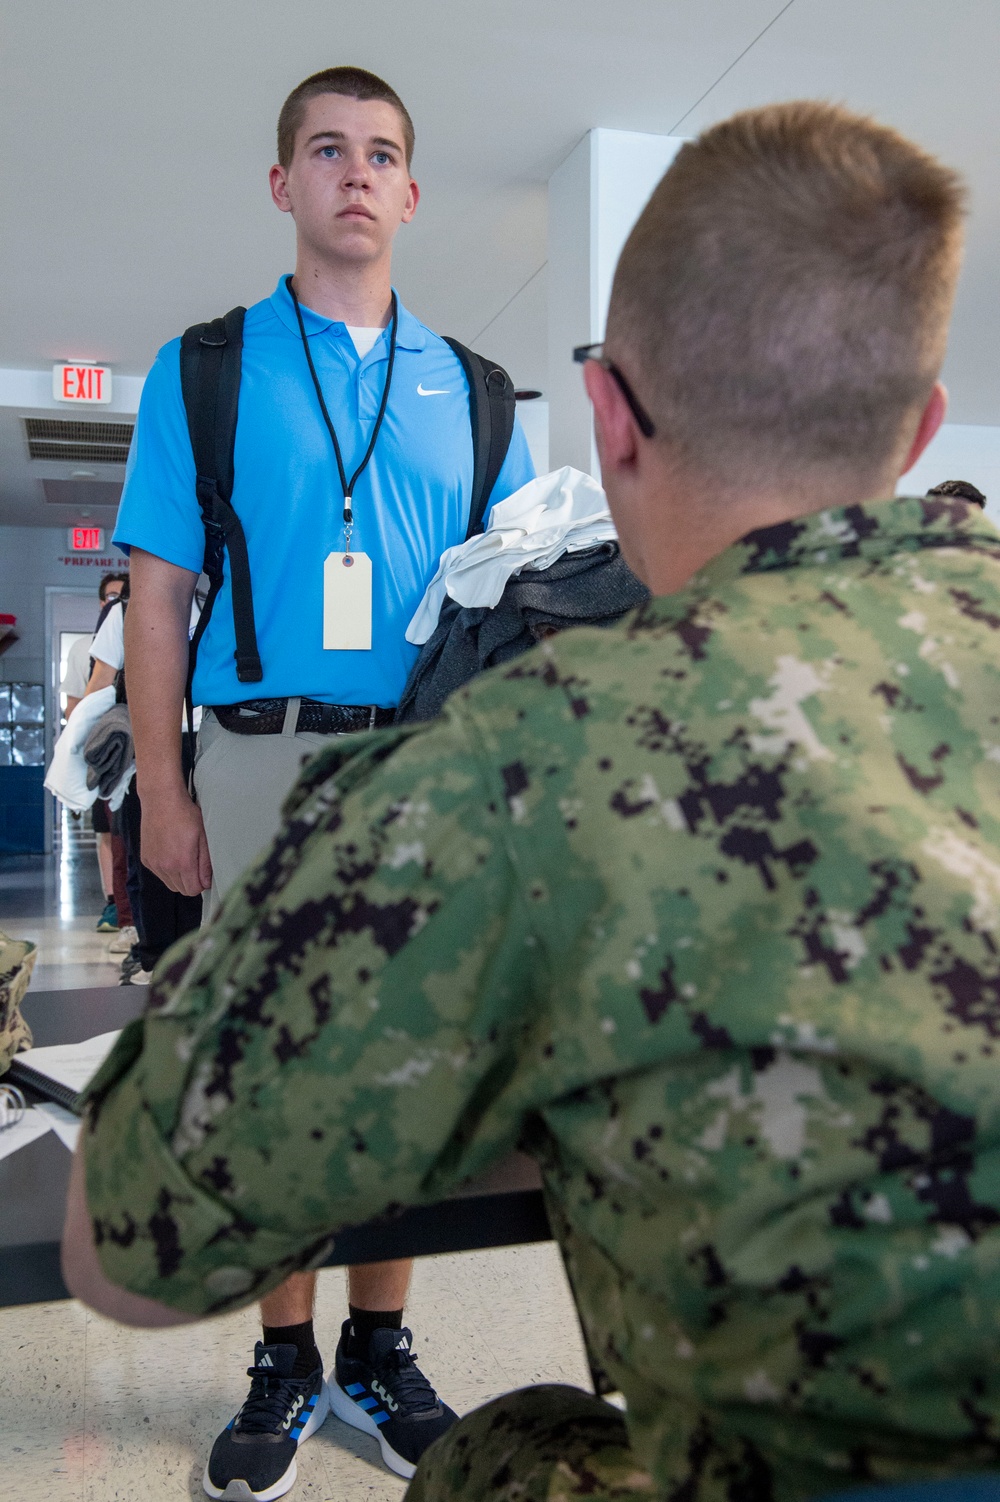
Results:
x,y
329,152
382,158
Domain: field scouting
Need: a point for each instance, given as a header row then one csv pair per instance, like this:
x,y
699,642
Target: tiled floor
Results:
x,y
92,1412
71,954
54,900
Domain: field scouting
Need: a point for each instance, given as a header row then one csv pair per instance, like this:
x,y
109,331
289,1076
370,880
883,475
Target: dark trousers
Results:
x,y
161,916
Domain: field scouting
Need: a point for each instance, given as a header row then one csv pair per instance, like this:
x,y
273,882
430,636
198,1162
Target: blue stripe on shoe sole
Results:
x,y
349,1412
315,1420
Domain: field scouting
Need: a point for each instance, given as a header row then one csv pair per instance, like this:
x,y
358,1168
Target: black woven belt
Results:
x,y
267,717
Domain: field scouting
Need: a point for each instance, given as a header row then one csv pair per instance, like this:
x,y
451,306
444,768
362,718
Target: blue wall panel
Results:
x,y
22,810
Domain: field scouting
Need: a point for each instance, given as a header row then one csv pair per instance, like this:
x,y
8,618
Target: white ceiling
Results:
x,y
137,138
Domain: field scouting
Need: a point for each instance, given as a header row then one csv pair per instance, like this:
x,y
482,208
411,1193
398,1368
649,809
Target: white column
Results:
x,y
595,197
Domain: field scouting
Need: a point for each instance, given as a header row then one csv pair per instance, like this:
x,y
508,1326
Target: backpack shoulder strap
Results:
x,y
211,356
491,413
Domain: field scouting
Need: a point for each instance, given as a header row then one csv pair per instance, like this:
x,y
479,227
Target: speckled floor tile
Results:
x,y
42,1386
185,1366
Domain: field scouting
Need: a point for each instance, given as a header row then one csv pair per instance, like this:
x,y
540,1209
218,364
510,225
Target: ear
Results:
x,y
412,199
930,421
614,425
279,188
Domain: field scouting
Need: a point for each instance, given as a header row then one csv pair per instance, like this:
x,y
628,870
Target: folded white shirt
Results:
x,y
562,512
67,773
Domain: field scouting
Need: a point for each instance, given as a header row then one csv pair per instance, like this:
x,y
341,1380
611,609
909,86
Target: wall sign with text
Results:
x,y
86,539
83,385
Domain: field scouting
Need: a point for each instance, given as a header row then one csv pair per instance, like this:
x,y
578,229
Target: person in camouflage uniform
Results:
x,y
700,910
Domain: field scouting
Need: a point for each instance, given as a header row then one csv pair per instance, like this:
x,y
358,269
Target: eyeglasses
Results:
x,y
585,352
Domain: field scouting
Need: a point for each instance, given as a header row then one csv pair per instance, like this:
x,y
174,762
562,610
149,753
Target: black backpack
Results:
x,y
211,356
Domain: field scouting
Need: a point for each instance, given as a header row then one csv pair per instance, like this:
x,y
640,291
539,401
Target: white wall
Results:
x,y
534,419
595,197
31,558
33,388
960,451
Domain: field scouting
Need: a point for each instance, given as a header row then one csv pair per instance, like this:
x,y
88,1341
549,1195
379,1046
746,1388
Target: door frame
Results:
x,y
52,690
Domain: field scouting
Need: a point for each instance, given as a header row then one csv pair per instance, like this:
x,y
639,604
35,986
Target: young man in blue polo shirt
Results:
x,y
340,552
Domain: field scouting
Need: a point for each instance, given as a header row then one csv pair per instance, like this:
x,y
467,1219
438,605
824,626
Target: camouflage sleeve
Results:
x,y
339,1041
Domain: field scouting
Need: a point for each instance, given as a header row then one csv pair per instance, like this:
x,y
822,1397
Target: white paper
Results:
x,y
71,1064
65,1125
31,1126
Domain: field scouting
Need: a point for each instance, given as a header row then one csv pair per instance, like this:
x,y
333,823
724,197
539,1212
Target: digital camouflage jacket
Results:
x,y
704,909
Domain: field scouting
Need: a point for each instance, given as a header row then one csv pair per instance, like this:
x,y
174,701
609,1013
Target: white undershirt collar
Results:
x,y
363,338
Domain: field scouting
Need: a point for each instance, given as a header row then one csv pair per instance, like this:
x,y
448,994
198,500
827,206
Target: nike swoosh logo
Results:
x,y
422,392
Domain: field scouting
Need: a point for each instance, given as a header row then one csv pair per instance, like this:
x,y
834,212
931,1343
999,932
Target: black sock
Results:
x,y
300,1336
364,1321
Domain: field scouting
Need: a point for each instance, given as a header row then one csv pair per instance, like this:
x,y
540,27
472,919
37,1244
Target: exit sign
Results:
x,y
86,539
84,385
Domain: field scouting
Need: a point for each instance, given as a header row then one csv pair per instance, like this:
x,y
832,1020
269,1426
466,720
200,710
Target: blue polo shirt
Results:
x,y
411,503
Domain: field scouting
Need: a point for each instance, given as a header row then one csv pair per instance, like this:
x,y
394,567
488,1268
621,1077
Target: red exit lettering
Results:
x,y
86,539
81,383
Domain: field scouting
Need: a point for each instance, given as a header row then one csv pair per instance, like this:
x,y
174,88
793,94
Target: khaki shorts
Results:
x,y
241,782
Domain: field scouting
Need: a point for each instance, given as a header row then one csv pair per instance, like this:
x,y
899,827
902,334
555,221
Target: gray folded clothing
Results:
x,y
594,587
108,750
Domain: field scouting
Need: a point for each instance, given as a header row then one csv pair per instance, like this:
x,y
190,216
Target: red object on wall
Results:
x,y
86,539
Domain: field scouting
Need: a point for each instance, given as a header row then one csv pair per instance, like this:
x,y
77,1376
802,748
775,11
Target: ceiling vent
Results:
x,y
79,493
75,442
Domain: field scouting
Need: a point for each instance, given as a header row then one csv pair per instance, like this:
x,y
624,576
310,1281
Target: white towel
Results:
x,y
67,774
562,512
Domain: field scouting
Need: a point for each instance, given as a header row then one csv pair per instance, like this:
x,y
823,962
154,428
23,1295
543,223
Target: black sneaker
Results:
x,y
388,1396
254,1457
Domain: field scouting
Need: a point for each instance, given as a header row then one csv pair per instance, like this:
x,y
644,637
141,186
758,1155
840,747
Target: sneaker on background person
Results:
x,y
107,923
384,1393
132,973
129,965
123,940
254,1456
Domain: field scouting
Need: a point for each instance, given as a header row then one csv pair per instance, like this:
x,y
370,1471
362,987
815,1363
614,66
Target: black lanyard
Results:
x,y
348,485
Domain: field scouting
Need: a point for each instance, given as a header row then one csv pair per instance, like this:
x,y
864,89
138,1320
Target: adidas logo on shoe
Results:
x,y
385,1395
253,1459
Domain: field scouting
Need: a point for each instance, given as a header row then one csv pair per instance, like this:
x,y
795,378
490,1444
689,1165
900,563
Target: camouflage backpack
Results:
x,y
17,959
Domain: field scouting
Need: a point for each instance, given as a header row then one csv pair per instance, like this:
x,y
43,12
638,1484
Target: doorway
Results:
x,y
69,614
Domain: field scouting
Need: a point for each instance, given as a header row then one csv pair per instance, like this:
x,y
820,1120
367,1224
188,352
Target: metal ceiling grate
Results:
x,y
79,493
76,442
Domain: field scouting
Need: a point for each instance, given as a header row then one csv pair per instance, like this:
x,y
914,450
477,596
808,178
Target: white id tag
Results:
x,y
347,603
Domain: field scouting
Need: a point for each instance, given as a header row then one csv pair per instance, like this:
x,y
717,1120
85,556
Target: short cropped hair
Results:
x,y
783,301
963,489
353,83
